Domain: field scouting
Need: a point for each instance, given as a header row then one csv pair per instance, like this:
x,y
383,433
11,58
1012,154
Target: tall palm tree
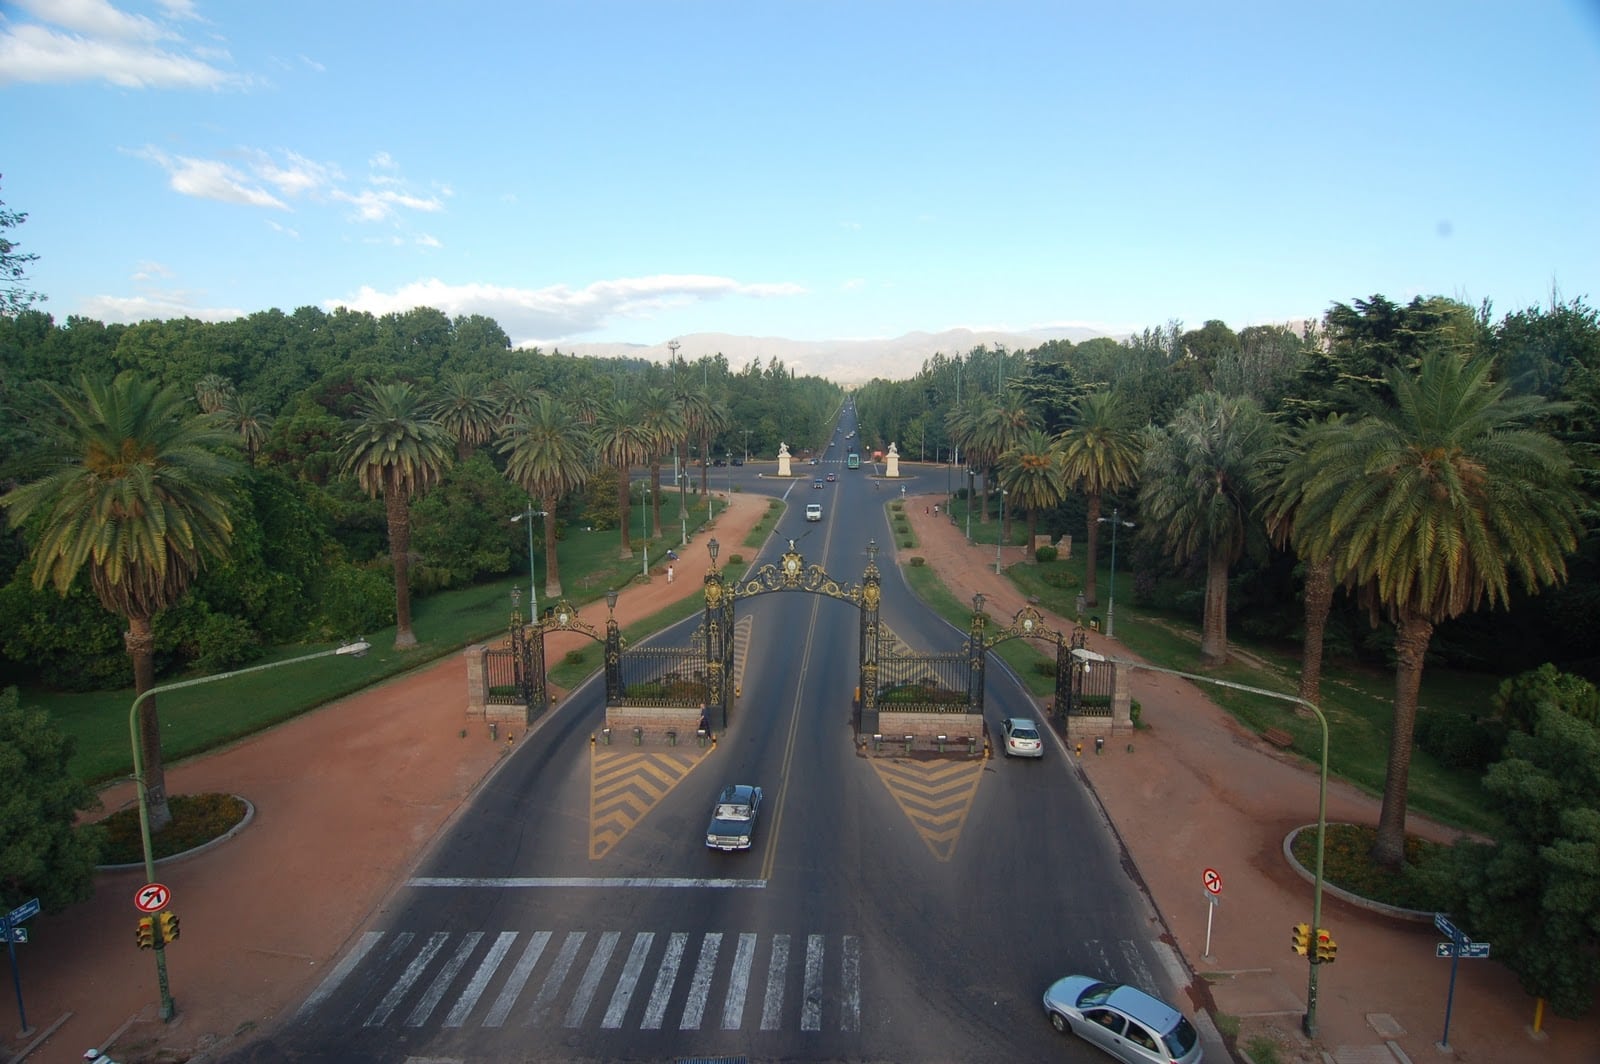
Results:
x,y
1031,472
515,393
136,490
212,391
467,410
697,408
1200,483
623,442
1428,506
245,417
395,451
664,424
1100,455
551,453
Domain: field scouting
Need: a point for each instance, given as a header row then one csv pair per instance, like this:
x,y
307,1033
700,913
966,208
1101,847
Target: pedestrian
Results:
x,y
669,574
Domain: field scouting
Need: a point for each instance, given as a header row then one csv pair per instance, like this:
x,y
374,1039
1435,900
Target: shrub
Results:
x,y
906,544
223,642
1045,553
574,657
736,559
1459,741
918,561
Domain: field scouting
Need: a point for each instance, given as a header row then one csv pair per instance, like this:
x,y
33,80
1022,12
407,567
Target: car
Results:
x,y
1122,1020
813,461
817,483
832,477
1022,738
733,819
813,512
738,461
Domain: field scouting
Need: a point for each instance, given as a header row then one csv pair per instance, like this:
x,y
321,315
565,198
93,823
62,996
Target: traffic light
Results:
x,y
169,926
1327,948
1302,939
146,934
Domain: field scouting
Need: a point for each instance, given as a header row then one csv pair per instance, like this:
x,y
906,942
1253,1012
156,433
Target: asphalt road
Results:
x,y
889,910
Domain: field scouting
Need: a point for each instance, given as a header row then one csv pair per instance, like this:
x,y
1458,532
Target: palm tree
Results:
x,y
624,442
664,424
246,418
212,392
395,451
1200,483
515,393
138,492
467,411
1428,506
1031,472
551,453
1100,455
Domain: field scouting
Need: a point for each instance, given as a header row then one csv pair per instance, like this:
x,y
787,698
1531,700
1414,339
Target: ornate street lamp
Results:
x,y
1111,598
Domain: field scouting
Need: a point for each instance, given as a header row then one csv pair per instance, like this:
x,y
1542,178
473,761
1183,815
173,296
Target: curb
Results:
x,y
1394,912
244,822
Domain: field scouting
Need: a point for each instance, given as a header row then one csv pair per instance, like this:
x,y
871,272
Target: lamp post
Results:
x,y
1000,533
1309,1020
168,1007
528,515
747,445
727,464
644,527
1111,598
969,507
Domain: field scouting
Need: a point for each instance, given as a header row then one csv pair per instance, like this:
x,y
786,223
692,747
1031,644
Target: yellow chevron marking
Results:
x,y
624,785
935,796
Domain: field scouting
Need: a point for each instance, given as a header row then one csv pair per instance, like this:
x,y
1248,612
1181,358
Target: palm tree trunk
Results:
x,y
625,508
1319,599
399,520
1214,624
705,463
655,494
1412,636
1091,594
983,514
552,563
1033,531
140,642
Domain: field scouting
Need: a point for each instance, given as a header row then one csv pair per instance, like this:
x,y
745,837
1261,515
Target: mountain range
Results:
x,y
846,362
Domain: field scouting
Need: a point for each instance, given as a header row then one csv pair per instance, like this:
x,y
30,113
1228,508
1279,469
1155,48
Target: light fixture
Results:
x,y
713,547
611,598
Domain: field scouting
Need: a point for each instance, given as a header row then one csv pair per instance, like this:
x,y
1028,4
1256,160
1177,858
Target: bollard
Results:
x,y
877,742
972,746
701,734
909,740
1099,743
638,736
494,730
672,737
605,736
1080,747
941,744
591,738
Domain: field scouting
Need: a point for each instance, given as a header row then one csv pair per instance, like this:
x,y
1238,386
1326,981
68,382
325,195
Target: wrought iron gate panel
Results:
x,y
500,676
923,683
1088,694
663,676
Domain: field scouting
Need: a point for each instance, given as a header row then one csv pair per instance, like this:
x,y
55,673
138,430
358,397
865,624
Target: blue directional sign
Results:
x,y
1472,951
26,911
19,935
1442,922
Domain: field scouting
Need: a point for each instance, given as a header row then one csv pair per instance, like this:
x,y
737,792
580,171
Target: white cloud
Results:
x,y
93,17
284,229
375,206
297,176
558,310
91,40
211,179
158,306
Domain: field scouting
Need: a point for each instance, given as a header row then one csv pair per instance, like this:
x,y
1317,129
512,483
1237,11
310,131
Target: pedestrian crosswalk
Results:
x,y
607,979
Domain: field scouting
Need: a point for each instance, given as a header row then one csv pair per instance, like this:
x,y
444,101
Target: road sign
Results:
x,y
19,935
1442,922
1212,879
1472,951
26,911
152,897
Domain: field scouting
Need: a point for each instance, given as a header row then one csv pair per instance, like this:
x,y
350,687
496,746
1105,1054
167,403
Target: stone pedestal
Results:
x,y
892,462
783,460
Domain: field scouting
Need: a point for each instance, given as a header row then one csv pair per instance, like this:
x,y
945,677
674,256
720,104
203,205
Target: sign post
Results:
x,y
13,933
1459,946
1213,883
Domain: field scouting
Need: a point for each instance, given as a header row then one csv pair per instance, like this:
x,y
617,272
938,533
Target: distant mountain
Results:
x,y
847,362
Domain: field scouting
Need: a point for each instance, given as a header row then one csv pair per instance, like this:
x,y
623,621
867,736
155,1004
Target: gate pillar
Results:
x,y
867,651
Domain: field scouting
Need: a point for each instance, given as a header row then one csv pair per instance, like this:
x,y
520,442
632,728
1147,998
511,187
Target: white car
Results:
x,y
813,512
1022,738
1122,1020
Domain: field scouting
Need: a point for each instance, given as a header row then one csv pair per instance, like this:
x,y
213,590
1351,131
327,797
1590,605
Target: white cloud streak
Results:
x,y
91,40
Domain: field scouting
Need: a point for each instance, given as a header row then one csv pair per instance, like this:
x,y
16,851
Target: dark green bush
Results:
x,y
1458,741
918,561
574,657
1045,553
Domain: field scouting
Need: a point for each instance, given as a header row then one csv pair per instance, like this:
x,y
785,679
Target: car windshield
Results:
x,y
1181,1038
1095,994
1024,731
728,811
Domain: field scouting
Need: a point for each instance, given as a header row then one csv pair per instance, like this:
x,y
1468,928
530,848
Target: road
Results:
x,y
890,909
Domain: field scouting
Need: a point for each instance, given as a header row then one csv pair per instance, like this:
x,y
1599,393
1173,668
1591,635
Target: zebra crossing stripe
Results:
x,y
777,969
441,982
554,978
694,1009
480,979
622,996
850,971
666,975
516,980
335,978
811,1002
591,978
739,983
380,1015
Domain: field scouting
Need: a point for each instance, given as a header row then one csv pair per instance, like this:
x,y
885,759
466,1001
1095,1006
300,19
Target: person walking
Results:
x,y
669,574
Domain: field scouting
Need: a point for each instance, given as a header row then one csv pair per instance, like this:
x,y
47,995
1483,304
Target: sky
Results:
x,y
634,171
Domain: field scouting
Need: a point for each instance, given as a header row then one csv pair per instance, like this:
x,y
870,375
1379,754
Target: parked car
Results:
x,y
1022,738
733,819
1123,1020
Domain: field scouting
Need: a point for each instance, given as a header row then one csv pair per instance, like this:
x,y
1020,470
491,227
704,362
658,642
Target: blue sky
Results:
x,y
594,171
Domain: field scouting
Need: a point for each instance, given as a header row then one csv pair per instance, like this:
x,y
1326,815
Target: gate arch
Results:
x,y
1087,700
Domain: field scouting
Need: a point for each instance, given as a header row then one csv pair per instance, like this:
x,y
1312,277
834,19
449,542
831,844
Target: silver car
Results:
x,y
1022,738
1122,1020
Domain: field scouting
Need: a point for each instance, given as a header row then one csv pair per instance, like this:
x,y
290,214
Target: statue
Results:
x,y
783,450
892,452
892,463
783,460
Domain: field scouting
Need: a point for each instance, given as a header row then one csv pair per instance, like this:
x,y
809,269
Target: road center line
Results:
x,y
586,882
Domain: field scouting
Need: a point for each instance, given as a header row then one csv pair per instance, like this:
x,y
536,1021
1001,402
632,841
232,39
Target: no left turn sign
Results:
x,y
1212,879
152,897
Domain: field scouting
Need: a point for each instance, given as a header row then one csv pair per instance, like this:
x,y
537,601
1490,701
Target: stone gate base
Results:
x,y
946,734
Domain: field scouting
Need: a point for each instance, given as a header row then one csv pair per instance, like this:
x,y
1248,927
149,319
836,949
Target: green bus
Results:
x,y
852,461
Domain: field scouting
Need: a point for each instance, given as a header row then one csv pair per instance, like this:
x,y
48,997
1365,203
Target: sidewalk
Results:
x,y
1192,791
265,914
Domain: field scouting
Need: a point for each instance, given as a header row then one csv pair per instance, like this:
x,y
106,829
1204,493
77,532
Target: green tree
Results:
x,y
467,410
1200,483
664,425
246,417
42,853
623,442
1031,473
14,298
1535,892
1519,699
137,493
395,452
1100,452
1430,506
550,453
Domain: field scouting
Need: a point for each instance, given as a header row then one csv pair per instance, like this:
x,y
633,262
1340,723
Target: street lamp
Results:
x,y
1000,533
644,527
1309,1020
528,515
1111,598
727,461
747,446
969,507
168,1007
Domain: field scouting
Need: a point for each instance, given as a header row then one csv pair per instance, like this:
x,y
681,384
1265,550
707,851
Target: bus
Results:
x,y
852,461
